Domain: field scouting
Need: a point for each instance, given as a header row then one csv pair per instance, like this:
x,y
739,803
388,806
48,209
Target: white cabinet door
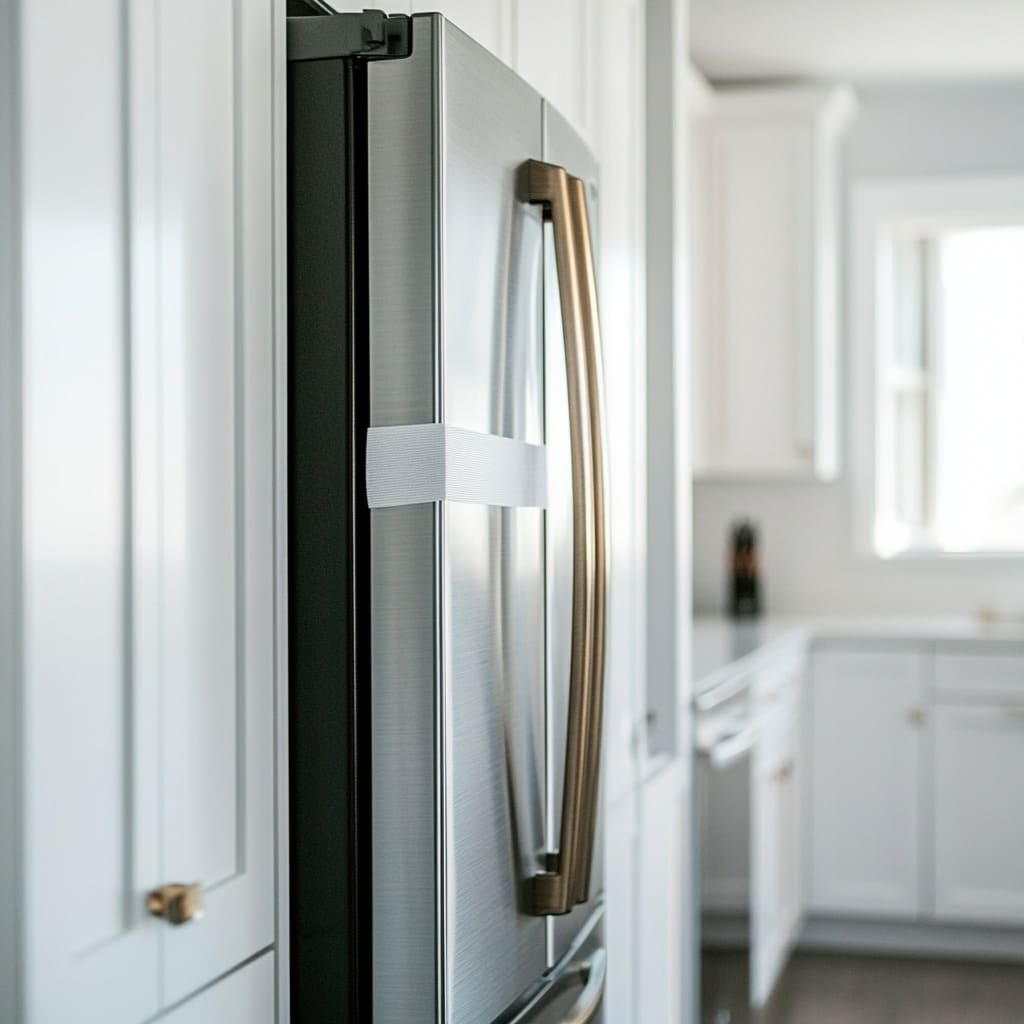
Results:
x,y
620,882
203,406
766,282
148,445
760,274
551,50
620,268
663,870
775,897
90,727
867,715
979,814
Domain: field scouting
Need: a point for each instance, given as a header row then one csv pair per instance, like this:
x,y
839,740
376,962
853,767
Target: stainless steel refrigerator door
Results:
x,y
564,147
458,649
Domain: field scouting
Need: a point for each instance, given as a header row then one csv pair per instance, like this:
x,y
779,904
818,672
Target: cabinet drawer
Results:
x,y
972,676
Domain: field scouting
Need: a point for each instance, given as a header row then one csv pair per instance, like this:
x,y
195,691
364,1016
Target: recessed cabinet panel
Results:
x,y
201,437
760,268
866,725
213,456
979,814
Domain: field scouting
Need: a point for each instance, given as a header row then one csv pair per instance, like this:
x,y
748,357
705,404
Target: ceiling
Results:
x,y
858,39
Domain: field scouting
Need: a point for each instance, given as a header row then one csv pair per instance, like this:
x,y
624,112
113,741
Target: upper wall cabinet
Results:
x,y
765,275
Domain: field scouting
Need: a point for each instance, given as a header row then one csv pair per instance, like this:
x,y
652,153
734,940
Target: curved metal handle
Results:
x,y
595,970
595,397
563,200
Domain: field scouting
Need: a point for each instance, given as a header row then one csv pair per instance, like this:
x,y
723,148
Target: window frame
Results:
x,y
879,208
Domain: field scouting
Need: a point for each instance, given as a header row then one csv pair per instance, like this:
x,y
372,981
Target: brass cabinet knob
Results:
x,y
917,717
177,903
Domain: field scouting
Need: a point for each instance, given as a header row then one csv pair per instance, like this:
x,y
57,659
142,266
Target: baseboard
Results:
x,y
912,938
731,931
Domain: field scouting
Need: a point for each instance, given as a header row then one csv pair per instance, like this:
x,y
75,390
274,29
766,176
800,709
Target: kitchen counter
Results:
x,y
724,648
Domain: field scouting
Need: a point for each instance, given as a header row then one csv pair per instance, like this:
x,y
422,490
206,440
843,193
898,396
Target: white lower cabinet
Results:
x,y
867,711
917,812
979,813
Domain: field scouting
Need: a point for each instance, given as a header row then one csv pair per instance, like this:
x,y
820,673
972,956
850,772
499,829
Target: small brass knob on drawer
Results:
x,y
177,903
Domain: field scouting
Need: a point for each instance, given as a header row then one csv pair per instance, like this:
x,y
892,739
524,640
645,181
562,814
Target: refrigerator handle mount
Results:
x,y
562,197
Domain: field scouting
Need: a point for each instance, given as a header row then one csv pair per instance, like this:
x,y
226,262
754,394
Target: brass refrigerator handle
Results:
x,y
563,200
595,398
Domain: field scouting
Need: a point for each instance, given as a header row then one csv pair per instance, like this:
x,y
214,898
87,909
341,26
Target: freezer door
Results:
x,y
458,591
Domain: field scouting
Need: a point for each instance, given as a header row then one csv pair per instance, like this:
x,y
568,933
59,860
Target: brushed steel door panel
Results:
x,y
494,695
458,589
494,558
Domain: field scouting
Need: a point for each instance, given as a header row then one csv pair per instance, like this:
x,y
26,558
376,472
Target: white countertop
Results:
x,y
722,647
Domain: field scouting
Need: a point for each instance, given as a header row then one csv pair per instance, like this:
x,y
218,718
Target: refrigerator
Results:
x,y
448,534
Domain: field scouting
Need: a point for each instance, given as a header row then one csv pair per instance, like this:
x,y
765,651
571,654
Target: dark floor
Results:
x,y
819,988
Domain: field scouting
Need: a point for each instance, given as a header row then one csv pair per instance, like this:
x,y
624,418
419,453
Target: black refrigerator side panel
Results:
x,y
326,552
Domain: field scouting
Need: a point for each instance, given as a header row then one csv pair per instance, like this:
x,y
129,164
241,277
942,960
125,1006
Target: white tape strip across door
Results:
x,y
424,462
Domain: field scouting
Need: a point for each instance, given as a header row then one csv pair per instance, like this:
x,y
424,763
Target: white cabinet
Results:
x,y
766,278
979,812
147,624
867,713
555,53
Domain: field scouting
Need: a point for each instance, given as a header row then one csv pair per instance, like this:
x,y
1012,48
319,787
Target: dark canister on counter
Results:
x,y
745,584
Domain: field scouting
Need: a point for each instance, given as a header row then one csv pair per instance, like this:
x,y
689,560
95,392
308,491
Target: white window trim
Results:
x,y
917,204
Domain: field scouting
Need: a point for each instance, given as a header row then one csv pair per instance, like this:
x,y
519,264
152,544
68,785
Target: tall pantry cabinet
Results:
x,y
140,613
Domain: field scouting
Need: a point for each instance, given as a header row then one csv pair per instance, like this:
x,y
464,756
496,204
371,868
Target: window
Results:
x,y
949,384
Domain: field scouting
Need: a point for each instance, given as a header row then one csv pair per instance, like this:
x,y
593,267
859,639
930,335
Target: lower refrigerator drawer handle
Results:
x,y
595,970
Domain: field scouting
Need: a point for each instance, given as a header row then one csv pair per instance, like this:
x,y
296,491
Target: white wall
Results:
x,y
808,558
